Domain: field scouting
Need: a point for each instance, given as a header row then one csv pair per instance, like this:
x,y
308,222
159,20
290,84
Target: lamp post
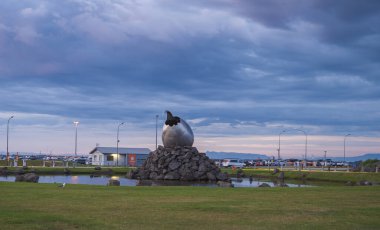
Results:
x,y
156,130
76,123
117,143
305,145
8,137
344,149
279,143
324,164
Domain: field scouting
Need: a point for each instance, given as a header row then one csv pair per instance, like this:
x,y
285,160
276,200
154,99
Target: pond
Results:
x,y
103,180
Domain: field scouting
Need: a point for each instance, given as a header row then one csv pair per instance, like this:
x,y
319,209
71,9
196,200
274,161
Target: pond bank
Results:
x,y
326,176
65,171
341,177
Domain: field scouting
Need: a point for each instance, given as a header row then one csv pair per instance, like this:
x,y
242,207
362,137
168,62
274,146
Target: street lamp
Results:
x,y
8,136
305,144
279,143
344,147
305,141
76,123
117,143
156,130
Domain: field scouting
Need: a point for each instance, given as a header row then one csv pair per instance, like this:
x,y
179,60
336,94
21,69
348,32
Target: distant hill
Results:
x,y
246,156
358,158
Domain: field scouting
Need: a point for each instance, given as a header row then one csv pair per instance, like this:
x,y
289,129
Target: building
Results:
x,y
107,156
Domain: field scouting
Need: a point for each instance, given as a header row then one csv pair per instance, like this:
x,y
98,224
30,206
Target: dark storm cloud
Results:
x,y
296,63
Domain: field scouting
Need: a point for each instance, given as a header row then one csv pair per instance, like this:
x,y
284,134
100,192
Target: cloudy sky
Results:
x,y
240,71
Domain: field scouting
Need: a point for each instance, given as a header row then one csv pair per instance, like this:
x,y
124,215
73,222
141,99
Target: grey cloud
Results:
x,y
287,63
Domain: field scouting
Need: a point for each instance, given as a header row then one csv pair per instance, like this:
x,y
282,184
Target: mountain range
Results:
x,y
358,158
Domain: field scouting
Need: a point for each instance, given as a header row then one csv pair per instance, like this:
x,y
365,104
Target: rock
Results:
x,y
28,177
19,178
113,182
178,163
20,171
160,177
222,176
172,176
350,183
144,183
202,168
283,185
264,185
153,175
174,165
187,177
4,171
31,177
365,183
225,184
98,168
211,176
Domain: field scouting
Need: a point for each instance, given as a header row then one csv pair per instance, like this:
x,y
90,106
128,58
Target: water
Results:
x,y
103,180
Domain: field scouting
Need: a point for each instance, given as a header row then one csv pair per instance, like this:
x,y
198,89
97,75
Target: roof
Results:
x,y
112,150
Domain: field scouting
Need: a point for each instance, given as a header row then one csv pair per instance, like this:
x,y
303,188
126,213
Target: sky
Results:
x,y
239,71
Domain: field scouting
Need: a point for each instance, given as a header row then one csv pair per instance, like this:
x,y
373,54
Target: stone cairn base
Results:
x,y
179,163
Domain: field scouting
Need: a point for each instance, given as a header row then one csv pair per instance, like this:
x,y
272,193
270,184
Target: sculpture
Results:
x,y
176,132
178,160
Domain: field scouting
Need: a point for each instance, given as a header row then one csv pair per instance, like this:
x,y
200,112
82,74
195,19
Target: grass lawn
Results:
x,y
313,175
45,206
76,170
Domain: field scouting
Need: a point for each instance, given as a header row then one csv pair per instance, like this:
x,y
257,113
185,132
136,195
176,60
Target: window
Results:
x,y
109,158
95,158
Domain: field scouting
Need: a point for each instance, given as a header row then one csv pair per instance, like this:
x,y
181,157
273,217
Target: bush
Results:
x,y
370,165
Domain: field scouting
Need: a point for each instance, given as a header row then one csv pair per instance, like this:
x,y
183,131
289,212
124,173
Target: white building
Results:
x,y
107,156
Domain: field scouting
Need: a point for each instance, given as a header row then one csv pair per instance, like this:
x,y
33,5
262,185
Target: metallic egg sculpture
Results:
x,y
176,132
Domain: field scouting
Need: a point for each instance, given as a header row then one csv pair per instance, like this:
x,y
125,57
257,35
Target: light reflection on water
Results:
x,y
103,180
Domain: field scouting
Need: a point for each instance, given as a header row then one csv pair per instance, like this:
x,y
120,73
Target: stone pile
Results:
x,y
28,177
178,163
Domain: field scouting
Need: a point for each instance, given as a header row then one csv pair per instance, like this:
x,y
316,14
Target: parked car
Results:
x,y
233,163
81,160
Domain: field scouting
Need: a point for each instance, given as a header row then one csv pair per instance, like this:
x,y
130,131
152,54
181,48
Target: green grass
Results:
x,y
76,170
37,163
313,175
45,206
